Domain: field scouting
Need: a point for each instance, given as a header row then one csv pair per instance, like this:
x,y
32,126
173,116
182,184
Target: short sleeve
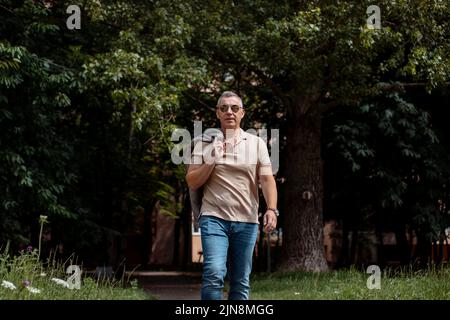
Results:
x,y
264,164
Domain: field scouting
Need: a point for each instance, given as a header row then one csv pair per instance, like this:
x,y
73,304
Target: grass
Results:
x,y
403,284
25,277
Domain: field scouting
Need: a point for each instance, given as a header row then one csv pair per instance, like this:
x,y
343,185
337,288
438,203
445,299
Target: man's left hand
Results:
x,y
270,221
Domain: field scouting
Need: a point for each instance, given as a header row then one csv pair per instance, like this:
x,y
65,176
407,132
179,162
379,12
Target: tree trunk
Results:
x,y
303,247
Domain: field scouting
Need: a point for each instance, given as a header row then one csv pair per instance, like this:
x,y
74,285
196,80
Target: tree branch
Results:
x,y
199,101
268,81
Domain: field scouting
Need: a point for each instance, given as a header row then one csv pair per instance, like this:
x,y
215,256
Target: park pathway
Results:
x,y
170,285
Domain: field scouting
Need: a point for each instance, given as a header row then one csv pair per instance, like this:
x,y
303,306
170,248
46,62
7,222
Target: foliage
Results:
x,y
34,101
387,152
86,115
316,57
130,91
124,72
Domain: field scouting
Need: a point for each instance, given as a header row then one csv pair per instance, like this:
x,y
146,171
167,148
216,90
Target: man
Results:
x,y
229,171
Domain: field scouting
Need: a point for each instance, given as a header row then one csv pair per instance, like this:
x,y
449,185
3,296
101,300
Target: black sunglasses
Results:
x,y
224,108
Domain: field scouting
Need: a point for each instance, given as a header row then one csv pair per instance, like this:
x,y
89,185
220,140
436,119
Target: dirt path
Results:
x,y
171,285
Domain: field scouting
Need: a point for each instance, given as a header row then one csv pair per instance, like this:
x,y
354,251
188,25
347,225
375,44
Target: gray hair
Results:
x,y
229,94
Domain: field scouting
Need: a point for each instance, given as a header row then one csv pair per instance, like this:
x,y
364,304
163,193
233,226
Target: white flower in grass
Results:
x,y
43,274
61,282
296,293
33,290
8,285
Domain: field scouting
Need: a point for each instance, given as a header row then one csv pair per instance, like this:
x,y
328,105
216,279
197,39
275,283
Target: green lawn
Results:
x,y
352,285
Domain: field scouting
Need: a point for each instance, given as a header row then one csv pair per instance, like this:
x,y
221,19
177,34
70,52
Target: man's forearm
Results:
x,y
197,175
269,188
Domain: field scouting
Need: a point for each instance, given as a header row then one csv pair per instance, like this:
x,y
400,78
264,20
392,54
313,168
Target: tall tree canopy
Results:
x,y
316,56
86,115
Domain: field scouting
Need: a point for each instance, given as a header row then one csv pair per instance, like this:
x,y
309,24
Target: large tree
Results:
x,y
132,71
316,56
86,118
133,63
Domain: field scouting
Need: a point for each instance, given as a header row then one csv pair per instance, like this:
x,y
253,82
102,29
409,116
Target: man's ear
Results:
x,y
217,114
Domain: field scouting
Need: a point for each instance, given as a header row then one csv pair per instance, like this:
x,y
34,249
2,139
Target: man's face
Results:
x,y
229,119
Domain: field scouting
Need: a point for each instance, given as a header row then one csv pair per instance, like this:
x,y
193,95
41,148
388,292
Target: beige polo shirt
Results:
x,y
231,192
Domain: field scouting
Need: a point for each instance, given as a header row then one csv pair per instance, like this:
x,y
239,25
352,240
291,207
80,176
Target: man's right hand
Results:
x,y
213,152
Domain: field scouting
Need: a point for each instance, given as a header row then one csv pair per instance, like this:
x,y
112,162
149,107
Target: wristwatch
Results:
x,y
277,213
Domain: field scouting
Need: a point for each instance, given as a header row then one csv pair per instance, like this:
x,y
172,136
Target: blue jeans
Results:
x,y
222,239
